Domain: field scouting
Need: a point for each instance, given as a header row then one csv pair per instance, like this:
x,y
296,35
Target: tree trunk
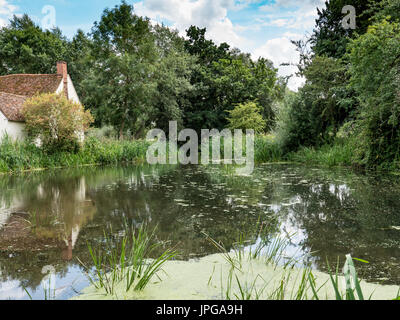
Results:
x,y
121,130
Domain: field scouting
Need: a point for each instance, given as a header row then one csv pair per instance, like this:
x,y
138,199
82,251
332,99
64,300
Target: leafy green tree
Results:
x,y
239,81
206,50
247,116
296,122
26,48
326,81
122,82
80,62
202,110
140,75
225,77
329,37
174,69
375,77
386,9
314,115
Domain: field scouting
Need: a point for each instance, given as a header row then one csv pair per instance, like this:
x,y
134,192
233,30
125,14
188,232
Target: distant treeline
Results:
x,y
135,76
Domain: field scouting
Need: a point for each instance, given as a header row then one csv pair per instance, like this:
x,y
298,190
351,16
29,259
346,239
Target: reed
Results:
x,y
126,261
17,156
270,250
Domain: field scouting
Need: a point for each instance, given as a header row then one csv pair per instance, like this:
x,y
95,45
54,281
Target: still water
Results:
x,y
48,218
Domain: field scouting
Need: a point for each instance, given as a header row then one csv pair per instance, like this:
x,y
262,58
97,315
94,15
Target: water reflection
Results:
x,y
48,218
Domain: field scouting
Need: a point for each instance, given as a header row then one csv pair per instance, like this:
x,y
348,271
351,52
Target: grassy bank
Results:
x,y
22,156
339,154
267,149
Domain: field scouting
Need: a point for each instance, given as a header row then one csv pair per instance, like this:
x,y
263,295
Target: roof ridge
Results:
x,y
13,94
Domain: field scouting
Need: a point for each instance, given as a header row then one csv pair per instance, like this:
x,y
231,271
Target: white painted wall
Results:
x,y
14,129
72,95
72,92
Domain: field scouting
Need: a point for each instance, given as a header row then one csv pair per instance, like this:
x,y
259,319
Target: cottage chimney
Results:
x,y
62,70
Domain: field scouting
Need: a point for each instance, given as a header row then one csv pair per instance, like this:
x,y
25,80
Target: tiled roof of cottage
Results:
x,y
11,106
30,84
16,88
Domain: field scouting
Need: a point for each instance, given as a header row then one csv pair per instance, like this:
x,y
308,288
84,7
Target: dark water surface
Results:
x,y
48,218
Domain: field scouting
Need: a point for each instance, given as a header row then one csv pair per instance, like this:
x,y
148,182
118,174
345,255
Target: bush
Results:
x,y
338,154
294,127
266,149
247,116
58,122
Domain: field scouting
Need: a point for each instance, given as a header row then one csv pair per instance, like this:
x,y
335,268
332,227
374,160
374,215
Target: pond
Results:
x,y
48,218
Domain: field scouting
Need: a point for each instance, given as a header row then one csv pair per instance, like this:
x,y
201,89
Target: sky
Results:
x,y
263,28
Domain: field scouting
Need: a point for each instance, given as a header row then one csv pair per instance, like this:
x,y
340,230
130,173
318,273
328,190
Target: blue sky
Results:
x,y
261,27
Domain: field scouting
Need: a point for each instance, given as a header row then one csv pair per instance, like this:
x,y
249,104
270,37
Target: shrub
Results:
x,y
247,116
56,121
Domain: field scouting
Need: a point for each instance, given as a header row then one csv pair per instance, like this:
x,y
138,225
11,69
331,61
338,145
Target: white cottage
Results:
x,y
16,88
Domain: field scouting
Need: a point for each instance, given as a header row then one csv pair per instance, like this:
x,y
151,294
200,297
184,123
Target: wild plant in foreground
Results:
x,y
126,261
303,282
351,279
268,245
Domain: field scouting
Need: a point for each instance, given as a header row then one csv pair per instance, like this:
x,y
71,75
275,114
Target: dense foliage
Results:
x,y
59,123
351,97
134,76
247,116
375,77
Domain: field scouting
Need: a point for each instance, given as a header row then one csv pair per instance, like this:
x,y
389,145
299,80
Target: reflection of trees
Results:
x,y
336,213
183,204
349,216
53,207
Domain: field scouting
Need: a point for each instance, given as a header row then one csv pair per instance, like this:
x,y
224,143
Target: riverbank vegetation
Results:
x,y
347,113
252,270
24,156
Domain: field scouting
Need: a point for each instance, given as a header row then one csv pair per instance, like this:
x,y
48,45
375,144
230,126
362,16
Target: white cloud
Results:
x,y
294,17
292,14
282,51
212,14
6,12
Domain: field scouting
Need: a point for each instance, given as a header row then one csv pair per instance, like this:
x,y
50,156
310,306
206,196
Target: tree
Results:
x,y
26,48
375,77
325,84
329,37
173,72
122,82
225,77
314,115
202,111
80,62
386,9
140,75
58,122
247,116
